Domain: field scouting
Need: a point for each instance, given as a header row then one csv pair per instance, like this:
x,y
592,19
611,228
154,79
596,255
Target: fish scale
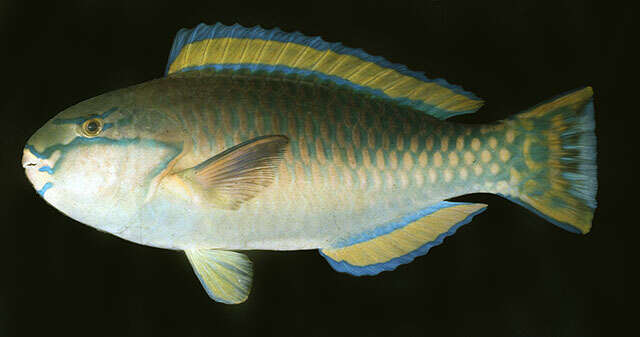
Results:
x,y
339,150
390,159
347,134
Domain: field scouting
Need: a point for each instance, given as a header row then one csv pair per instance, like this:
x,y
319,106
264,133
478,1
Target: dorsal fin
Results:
x,y
236,47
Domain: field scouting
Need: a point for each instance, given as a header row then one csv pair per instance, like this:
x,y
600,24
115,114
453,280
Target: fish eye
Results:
x,y
92,127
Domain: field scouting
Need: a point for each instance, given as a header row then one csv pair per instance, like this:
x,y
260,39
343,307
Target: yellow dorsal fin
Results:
x,y
399,243
235,47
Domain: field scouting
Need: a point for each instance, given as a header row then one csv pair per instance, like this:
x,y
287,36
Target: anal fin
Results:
x,y
404,241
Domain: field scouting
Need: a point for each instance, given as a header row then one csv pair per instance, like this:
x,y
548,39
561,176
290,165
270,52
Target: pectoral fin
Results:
x,y
237,174
226,276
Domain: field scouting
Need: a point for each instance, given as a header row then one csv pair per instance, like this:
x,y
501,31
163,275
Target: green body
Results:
x,y
354,162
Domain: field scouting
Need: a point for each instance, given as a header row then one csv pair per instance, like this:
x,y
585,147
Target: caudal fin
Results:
x,y
555,175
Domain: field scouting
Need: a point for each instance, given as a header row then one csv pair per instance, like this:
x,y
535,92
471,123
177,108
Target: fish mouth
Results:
x,y
26,164
29,160
38,171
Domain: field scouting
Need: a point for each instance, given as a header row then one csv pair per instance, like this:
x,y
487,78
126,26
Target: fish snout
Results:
x,y
37,170
29,160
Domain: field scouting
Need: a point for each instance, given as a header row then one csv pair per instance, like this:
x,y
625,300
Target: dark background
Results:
x,y
508,273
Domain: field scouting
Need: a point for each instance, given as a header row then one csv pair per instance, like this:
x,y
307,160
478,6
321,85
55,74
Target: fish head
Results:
x,y
95,162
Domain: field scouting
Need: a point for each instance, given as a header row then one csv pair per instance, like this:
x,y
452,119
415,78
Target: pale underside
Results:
x,y
289,215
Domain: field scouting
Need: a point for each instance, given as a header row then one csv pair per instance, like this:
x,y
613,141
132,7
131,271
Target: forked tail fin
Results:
x,y
555,175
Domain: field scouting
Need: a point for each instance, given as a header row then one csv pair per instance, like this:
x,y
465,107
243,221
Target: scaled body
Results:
x,y
353,162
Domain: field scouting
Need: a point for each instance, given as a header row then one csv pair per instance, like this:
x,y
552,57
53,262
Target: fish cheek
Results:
x,y
87,185
91,171
105,184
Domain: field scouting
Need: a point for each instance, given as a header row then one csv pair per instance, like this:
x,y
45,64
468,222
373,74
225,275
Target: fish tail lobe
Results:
x,y
553,172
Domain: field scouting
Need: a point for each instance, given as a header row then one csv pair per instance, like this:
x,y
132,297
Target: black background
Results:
x,y
508,273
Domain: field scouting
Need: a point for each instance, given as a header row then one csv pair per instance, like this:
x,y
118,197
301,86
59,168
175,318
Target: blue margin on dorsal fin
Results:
x,y
203,32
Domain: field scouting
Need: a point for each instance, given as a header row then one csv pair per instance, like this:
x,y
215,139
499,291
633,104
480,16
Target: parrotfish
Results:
x,y
264,140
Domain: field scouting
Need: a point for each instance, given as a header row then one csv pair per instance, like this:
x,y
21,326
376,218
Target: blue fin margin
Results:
x,y
203,32
392,264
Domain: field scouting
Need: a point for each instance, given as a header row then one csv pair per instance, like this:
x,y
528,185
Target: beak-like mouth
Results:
x,y
26,164
29,160
38,170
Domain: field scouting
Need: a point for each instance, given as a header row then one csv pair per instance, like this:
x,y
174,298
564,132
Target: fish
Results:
x,y
258,139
